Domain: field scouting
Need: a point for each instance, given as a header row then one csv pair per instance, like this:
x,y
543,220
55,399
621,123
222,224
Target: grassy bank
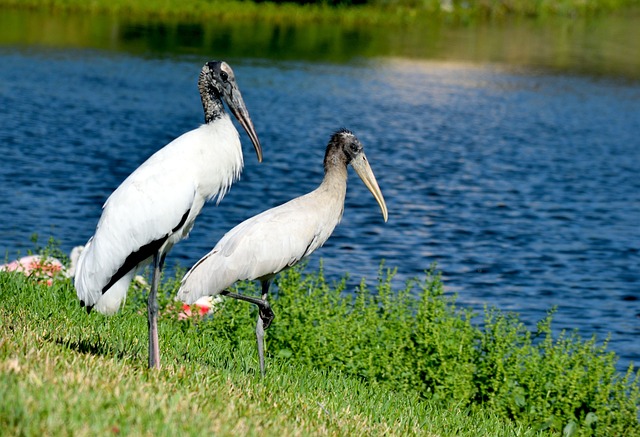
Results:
x,y
65,373
379,362
373,12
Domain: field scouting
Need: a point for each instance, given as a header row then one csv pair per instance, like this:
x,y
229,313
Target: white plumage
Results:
x,y
150,204
156,206
278,238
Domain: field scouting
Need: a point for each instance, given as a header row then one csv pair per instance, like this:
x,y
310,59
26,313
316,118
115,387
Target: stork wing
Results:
x,y
259,247
137,220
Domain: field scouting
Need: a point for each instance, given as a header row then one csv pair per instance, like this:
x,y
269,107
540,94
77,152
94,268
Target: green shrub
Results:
x,y
418,340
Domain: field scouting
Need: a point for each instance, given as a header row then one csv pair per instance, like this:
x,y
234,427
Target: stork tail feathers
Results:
x,y
114,298
208,277
89,292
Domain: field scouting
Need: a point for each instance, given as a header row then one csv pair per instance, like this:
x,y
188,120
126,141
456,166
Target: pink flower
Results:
x,y
42,269
200,308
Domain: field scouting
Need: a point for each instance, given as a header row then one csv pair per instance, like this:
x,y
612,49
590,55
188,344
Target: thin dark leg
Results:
x,y
260,325
264,309
265,317
152,313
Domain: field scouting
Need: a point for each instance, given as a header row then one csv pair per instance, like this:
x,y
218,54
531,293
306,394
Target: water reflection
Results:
x,y
604,46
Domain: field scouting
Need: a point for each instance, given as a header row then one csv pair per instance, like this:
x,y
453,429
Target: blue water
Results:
x,y
523,187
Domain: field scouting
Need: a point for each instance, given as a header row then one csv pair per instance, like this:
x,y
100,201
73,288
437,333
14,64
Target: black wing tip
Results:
x,y
87,307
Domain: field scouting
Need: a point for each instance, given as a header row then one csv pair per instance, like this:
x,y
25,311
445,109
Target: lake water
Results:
x,y
520,179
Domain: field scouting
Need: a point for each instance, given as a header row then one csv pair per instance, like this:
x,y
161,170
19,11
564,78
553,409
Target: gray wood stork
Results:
x,y
278,238
156,206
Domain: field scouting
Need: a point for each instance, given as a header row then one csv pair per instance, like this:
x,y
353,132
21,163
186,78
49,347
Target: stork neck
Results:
x,y
335,179
335,167
211,101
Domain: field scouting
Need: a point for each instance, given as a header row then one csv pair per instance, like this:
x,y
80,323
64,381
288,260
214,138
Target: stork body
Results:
x,y
278,238
156,206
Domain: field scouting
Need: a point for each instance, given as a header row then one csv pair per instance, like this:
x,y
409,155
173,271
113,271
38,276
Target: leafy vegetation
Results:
x,y
432,347
374,361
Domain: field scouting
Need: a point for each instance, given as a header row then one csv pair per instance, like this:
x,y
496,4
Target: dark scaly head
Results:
x,y
217,83
345,148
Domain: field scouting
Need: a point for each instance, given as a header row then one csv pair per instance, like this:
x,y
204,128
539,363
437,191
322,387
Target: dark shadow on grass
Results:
x,y
93,347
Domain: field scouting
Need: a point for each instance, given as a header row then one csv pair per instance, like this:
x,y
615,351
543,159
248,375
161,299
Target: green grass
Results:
x,y
378,12
392,362
65,373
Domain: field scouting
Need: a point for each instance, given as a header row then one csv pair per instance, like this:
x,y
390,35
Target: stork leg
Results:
x,y
265,316
260,343
152,312
260,324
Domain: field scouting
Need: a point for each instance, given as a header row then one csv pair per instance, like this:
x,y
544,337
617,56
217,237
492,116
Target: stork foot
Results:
x,y
264,309
266,314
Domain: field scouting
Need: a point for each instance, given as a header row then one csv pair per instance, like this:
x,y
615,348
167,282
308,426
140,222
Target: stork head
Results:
x,y
354,155
217,80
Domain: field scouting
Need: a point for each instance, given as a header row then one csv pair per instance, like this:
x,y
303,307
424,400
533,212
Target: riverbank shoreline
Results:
x,y
396,13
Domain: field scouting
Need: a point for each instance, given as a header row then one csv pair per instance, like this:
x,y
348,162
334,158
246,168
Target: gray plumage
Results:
x,y
278,238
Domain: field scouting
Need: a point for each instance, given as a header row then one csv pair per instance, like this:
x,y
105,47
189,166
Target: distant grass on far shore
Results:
x,y
373,12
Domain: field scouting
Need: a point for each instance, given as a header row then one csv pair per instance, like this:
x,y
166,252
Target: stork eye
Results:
x,y
224,76
355,148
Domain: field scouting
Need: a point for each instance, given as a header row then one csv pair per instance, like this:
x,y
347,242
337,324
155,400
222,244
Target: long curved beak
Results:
x,y
363,169
239,110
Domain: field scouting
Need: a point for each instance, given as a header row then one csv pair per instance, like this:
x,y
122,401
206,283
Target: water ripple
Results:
x,y
523,188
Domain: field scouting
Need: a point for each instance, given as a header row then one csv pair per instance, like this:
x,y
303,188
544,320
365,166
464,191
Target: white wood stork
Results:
x,y
278,238
156,206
